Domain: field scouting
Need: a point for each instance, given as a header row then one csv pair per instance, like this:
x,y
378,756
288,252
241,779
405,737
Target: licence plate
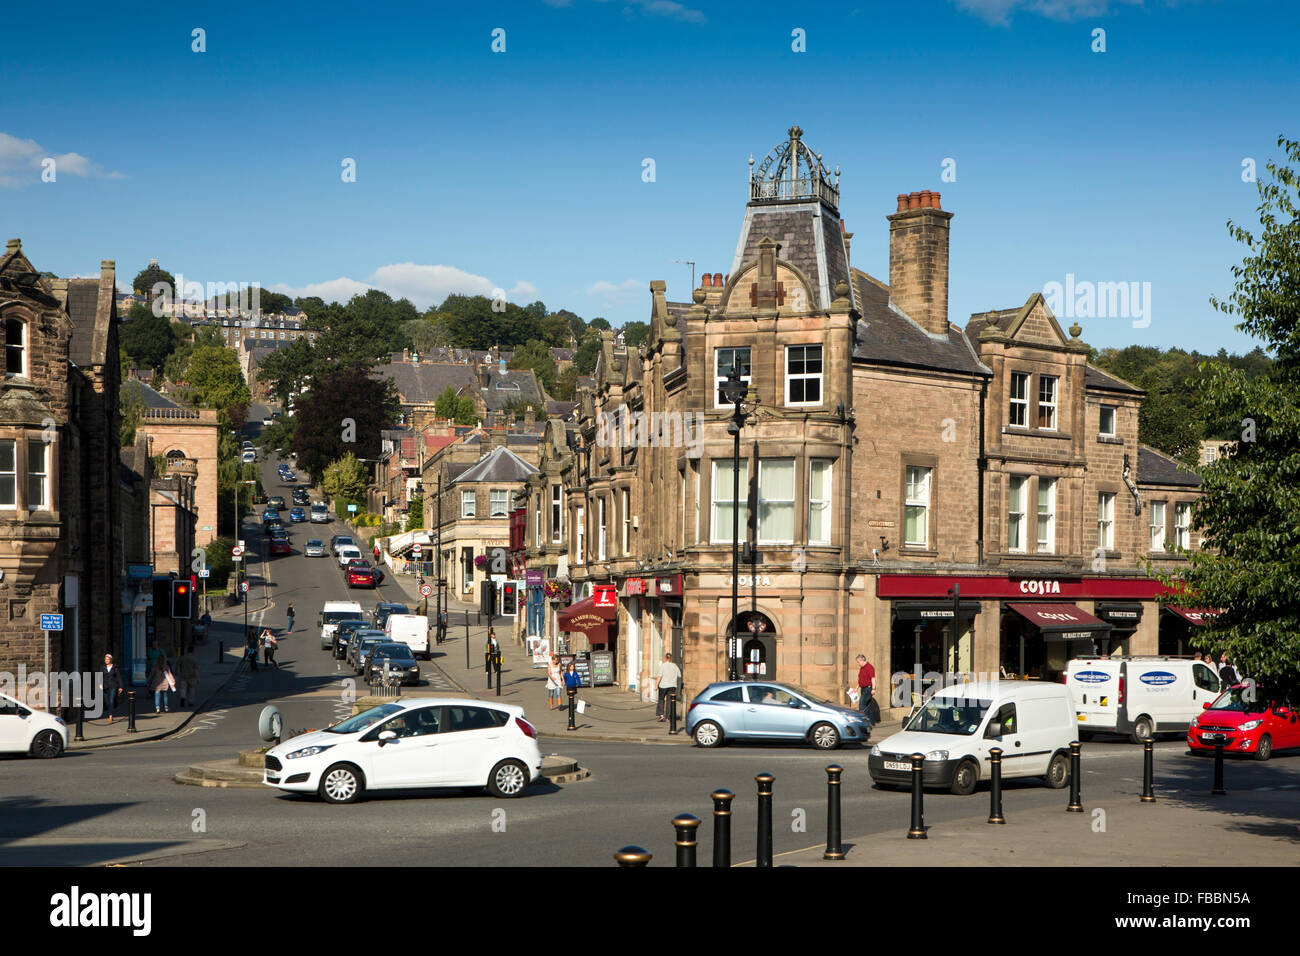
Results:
x,y
897,765
1083,717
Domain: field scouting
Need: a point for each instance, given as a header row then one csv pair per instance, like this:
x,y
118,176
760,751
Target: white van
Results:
x,y
411,630
331,614
1032,721
1138,696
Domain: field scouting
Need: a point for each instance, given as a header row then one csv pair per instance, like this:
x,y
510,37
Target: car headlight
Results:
x,y
875,751
937,755
1250,725
308,752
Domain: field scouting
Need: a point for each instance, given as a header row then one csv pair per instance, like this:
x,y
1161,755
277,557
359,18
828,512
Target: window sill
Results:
x,y
1034,432
917,551
1110,440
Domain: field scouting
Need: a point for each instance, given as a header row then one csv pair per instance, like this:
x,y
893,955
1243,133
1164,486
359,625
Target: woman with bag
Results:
x,y
162,682
269,646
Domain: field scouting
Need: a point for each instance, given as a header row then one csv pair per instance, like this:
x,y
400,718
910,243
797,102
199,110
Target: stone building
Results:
x,y
898,473
60,517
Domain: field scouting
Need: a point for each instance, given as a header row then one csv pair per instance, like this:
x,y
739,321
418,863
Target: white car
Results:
x,y
268,422
249,457
413,744
24,730
346,553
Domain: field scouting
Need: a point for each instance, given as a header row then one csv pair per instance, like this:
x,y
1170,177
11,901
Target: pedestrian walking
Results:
x,y
250,648
572,679
269,646
189,682
206,621
162,682
866,684
110,682
666,684
289,615
490,649
1227,673
554,678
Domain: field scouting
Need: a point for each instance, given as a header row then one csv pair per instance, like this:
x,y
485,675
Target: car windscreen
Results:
x,y
950,715
1242,699
365,719
395,651
333,617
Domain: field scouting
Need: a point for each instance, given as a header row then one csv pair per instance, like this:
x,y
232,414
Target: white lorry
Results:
x,y
411,630
1138,696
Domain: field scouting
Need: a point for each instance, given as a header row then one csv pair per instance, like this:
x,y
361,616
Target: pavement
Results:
x,y
609,713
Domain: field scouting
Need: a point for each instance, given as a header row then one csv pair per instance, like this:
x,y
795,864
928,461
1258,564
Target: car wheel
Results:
x,y
509,778
49,744
824,736
1265,748
1058,771
341,783
965,778
708,734
1142,729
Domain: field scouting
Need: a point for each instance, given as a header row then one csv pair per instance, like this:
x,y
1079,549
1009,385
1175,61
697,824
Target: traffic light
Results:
x,y
162,597
508,598
488,598
182,592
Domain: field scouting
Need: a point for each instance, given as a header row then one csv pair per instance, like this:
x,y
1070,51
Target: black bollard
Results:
x,y
672,710
834,849
130,712
685,824
764,781
221,651
487,666
633,856
995,791
722,827
917,830
467,640
573,697
1218,790
1148,773
81,715
1076,798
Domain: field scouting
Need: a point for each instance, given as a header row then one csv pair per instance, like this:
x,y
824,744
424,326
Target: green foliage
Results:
x,y
345,480
278,435
220,564
588,351
427,333
323,435
566,385
1249,512
285,372
146,337
458,408
367,329
214,374
415,514
636,333
536,355
140,284
131,408
599,323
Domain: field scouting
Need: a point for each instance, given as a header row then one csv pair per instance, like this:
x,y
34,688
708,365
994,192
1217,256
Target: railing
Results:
x,y
806,188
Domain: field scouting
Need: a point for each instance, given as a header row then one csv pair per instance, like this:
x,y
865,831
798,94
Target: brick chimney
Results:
x,y
530,417
918,260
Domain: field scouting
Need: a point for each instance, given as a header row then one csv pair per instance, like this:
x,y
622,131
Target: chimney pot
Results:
x,y
717,279
914,200
902,202
925,199
706,280
934,200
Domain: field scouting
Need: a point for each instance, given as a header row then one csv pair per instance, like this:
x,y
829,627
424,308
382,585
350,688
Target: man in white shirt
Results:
x,y
670,678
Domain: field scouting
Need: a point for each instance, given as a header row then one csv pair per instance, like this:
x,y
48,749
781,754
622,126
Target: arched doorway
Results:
x,y
757,646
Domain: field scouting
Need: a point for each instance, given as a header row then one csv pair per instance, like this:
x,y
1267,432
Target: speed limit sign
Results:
x,y
426,590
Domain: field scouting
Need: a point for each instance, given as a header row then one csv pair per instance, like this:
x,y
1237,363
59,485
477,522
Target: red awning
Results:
x,y
1194,615
588,619
1061,622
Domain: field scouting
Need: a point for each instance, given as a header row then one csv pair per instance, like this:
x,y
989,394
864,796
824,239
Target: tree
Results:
x,y
415,514
146,337
285,372
1249,512
566,385
131,408
367,329
636,333
345,480
536,355
427,334
458,408
599,323
214,374
588,351
144,281
343,413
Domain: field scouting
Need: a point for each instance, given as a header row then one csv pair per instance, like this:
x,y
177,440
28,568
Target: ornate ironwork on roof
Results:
x,y
792,172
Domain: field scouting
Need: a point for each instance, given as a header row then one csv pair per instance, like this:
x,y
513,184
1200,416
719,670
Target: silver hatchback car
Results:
x,y
767,710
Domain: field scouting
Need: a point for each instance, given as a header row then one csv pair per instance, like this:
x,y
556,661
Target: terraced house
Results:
x,y
938,497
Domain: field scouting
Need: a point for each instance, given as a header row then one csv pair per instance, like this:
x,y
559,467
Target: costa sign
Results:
x,y
1040,587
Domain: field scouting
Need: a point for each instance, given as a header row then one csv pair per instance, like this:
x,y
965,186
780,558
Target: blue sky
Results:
x,y
523,170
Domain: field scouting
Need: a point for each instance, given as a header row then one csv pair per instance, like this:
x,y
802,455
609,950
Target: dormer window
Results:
x,y
15,348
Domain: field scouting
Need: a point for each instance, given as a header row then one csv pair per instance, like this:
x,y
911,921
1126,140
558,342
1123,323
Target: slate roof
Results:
x,y
887,337
563,355
561,409
422,384
497,398
1096,378
512,438
1157,468
82,304
811,238
150,397
501,464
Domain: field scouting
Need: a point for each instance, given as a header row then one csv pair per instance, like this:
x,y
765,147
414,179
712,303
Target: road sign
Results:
x,y
237,552
243,586
426,590
205,573
415,549
51,622
352,508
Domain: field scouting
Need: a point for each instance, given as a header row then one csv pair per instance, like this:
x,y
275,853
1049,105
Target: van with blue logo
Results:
x,y
1138,696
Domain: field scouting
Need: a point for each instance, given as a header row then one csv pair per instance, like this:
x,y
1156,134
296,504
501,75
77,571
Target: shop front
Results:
x,y
1040,639
1178,627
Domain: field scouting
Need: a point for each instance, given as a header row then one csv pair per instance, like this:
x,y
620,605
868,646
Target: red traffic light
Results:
x,y
182,589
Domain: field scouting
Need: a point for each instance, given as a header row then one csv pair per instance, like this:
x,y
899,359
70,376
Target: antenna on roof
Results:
x,y
688,262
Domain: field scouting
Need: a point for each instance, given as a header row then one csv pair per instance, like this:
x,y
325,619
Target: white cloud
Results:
x,y
624,293
1000,11
20,163
424,285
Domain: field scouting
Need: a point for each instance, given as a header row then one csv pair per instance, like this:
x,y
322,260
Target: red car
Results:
x,y
362,575
280,546
1247,722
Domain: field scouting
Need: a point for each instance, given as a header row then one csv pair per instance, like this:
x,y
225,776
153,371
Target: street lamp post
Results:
x,y
733,390
442,634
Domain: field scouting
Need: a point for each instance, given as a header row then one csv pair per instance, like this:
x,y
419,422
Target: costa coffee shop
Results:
x,y
1016,626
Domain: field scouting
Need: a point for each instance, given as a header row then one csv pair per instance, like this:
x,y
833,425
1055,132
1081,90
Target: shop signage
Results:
x,y
669,584
634,586
937,586
1040,587
602,668
139,572
535,579
604,595
758,581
